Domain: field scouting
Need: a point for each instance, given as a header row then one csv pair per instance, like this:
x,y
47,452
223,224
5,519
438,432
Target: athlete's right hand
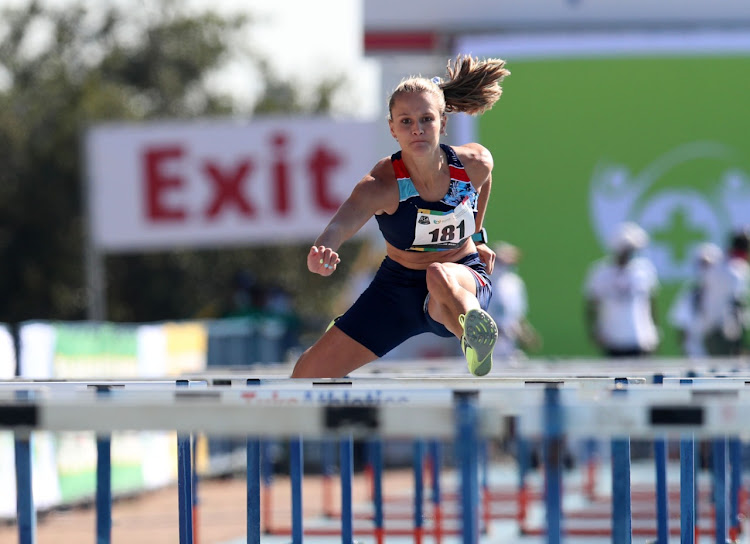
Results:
x,y
322,260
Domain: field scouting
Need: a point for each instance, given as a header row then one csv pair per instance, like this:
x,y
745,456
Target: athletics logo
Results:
x,y
423,220
694,193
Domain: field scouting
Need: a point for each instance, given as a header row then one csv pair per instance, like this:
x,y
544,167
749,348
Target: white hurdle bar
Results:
x,y
545,409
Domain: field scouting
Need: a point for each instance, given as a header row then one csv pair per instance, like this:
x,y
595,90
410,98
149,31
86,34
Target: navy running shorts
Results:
x,y
394,306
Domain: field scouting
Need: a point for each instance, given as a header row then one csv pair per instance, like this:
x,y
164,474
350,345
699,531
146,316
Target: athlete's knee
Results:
x,y
303,365
437,277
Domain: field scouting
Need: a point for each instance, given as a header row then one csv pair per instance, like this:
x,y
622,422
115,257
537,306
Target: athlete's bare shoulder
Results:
x,y
383,171
477,160
380,187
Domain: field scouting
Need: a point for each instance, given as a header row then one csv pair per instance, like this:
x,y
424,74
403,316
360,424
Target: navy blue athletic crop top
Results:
x,y
419,225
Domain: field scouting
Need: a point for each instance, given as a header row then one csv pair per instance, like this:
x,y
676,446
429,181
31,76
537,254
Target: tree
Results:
x,y
112,65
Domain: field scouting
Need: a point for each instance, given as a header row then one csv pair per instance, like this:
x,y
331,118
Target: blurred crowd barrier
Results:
x,y
65,463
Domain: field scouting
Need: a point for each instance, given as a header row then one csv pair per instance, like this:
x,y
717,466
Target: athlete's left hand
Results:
x,y
487,256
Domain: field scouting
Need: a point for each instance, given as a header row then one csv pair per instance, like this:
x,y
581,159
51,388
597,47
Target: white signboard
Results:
x,y
221,182
496,15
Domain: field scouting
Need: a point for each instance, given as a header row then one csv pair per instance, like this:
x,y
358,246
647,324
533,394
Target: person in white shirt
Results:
x,y
726,304
619,296
687,315
509,306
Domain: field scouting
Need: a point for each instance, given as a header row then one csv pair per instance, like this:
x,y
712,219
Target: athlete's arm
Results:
x,y
484,198
371,195
478,163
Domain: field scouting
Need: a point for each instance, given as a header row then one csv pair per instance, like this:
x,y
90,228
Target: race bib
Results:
x,y
439,231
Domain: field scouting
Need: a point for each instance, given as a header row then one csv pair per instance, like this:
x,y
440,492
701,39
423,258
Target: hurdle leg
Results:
x,y
103,490
185,489
735,467
295,467
185,481
368,468
523,455
467,419
621,508
376,453
486,502
552,464
418,469
103,480
327,460
253,491
435,455
662,496
25,509
194,496
687,490
346,454
719,458
591,458
266,472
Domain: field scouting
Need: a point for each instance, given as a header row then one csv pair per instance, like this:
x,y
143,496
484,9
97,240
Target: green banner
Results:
x,y
96,350
582,144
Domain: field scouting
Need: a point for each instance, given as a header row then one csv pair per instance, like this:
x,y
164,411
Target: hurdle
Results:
x,y
545,410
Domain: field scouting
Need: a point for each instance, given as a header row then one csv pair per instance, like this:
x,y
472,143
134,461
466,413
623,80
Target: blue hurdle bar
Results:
x,y
662,493
721,515
103,482
418,468
436,455
622,530
253,491
687,490
376,453
662,498
185,482
735,483
103,490
621,508
327,459
347,515
185,488
553,427
296,467
484,462
24,490
467,418
25,510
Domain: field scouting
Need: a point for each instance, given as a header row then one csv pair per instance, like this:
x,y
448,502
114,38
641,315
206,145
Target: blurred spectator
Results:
x,y
246,298
279,304
688,312
726,295
619,297
509,306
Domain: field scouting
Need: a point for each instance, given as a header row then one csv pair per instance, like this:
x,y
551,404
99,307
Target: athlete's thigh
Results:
x,y
334,355
464,275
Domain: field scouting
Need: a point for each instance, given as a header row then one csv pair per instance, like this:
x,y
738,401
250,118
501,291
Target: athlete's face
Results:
x,y
416,121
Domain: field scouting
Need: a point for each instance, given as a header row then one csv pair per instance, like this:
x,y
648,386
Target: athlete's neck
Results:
x,y
427,171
